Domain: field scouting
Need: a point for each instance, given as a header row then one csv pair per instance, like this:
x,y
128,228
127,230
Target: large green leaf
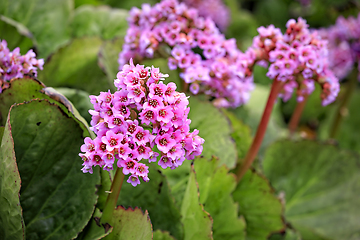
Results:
x,y
57,198
262,210
321,185
240,133
102,21
75,66
108,57
11,220
130,224
19,90
94,230
46,19
178,179
80,99
215,129
215,187
155,197
25,89
197,222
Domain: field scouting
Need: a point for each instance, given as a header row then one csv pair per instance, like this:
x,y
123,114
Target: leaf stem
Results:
x,y
251,154
295,118
343,110
110,205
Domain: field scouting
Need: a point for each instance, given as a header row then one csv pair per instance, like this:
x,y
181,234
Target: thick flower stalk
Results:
x,y
14,65
207,62
299,58
143,114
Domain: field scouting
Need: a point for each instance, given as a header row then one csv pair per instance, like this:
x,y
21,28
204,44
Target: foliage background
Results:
x,y
298,189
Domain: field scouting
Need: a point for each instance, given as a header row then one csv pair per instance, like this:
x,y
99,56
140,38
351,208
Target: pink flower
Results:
x,y
164,114
164,142
88,146
129,165
111,140
164,162
134,180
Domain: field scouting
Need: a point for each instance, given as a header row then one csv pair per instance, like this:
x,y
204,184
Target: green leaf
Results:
x,y
83,2
240,133
178,179
160,235
215,129
80,99
262,210
2,129
321,185
155,197
197,222
75,66
216,185
19,90
57,198
108,57
46,19
15,34
25,89
102,21
94,230
130,224
11,220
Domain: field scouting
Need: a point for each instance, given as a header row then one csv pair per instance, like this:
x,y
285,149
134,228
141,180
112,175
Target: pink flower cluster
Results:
x,y
142,114
14,65
208,62
298,58
214,9
344,45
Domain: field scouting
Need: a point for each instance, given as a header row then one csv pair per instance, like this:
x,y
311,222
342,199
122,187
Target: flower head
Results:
x,y
177,30
129,126
298,58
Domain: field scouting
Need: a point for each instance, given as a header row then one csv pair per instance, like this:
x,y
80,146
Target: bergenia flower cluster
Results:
x,y
208,62
299,58
14,65
344,45
143,114
214,9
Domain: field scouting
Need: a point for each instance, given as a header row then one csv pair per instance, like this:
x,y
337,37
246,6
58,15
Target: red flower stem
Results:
x,y
295,118
251,154
344,101
112,198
